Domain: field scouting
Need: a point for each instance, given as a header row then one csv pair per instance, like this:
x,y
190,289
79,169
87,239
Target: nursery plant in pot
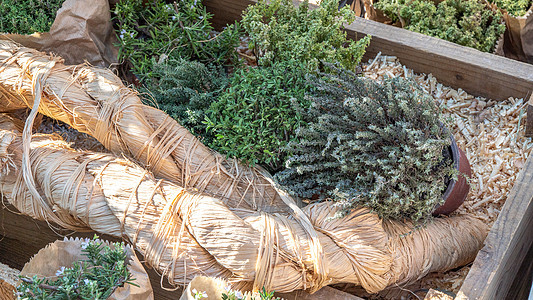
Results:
x,y
384,146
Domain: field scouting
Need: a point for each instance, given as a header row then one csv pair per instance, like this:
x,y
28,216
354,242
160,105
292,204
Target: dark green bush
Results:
x,y
375,145
254,119
185,89
465,22
150,34
28,16
280,32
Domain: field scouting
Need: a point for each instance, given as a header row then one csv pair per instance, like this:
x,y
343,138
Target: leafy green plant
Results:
x,y
185,89
516,8
254,119
383,146
465,22
279,31
28,16
95,278
153,32
237,295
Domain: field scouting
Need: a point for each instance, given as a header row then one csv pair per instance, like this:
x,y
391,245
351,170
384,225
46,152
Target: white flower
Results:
x,y
194,291
204,295
228,288
174,17
84,244
201,17
238,295
60,271
122,32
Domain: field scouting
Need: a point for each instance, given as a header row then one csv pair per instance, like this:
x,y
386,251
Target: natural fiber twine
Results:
x,y
94,101
240,227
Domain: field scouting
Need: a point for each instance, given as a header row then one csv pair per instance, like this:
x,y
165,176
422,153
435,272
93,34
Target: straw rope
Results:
x,y
208,215
184,233
94,101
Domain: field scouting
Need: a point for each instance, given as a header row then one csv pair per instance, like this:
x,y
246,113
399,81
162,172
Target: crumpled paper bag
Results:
x,y
82,31
518,39
64,253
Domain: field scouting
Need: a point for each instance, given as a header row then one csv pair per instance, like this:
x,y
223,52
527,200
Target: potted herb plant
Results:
x,y
384,146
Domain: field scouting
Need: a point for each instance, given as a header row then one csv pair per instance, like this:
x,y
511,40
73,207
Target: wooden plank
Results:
x,y
506,245
478,73
324,293
23,237
529,119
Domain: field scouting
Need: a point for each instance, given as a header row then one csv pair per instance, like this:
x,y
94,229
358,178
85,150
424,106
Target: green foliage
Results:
x,y
185,89
28,16
516,8
279,31
254,119
237,295
151,33
465,22
375,145
95,278
267,295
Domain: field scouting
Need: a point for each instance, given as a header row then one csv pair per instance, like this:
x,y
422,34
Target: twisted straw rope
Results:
x,y
246,230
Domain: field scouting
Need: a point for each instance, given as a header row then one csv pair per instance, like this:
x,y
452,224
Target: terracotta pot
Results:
x,y
458,189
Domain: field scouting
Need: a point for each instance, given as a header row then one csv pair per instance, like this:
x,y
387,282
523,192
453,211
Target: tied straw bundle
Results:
x,y
247,236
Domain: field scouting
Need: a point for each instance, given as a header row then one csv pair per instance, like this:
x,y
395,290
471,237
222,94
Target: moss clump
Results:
x,y
469,23
375,145
28,16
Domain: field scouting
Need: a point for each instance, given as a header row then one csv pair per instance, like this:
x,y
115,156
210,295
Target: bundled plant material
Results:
x,y
94,101
183,233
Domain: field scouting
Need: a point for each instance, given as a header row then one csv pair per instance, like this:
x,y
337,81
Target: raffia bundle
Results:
x,y
94,101
208,216
185,233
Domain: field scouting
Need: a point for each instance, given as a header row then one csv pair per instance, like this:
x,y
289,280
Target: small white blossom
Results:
x,y
238,295
174,18
84,245
201,17
227,288
122,32
60,271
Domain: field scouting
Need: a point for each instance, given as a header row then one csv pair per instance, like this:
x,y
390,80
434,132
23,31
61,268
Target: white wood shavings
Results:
x,y
491,133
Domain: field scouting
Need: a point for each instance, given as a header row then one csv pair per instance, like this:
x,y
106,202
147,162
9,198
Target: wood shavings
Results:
x,y
491,133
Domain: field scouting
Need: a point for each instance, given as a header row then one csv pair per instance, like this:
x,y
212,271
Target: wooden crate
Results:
x,y
509,242
492,275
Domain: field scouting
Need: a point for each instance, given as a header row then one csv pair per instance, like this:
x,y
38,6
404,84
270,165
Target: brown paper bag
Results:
x,y
518,39
64,253
82,31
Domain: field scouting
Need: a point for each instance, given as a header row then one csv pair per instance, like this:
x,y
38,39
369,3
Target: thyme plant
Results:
x,y
185,89
95,278
469,23
254,118
279,31
515,8
381,146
